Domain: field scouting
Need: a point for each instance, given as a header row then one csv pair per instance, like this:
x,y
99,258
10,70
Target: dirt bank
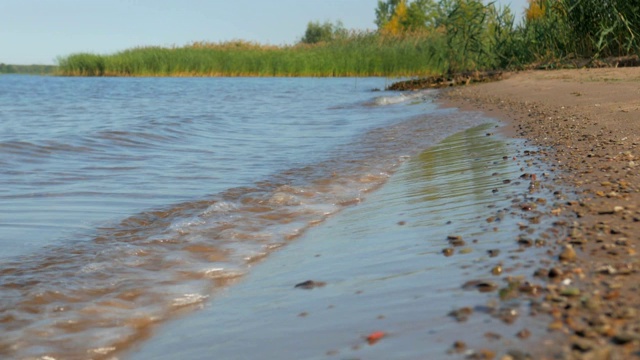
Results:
x,y
590,119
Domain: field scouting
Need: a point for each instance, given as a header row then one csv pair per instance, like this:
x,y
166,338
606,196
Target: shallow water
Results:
x,y
128,201
384,270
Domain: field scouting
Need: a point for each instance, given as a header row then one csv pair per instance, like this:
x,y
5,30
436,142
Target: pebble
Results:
x,y
482,354
447,251
375,336
462,314
310,284
523,334
480,285
496,270
459,346
568,253
493,252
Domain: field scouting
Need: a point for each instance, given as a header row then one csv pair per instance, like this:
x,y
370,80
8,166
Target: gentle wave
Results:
x,y
403,97
96,297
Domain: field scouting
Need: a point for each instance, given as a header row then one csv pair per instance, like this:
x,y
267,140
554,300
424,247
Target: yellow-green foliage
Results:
x,y
535,10
395,25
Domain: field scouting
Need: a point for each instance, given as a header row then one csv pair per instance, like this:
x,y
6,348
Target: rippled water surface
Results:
x,y
123,201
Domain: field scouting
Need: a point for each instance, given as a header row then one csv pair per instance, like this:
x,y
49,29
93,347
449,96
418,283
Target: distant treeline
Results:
x,y
28,69
413,38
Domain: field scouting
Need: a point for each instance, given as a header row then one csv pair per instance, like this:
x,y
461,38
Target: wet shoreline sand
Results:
x,y
589,121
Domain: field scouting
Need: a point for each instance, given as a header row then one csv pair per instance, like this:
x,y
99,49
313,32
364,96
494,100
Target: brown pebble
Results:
x,y
459,346
496,270
457,242
523,334
554,273
568,253
482,354
480,285
447,251
461,314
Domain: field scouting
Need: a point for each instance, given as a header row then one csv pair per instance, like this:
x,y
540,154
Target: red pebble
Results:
x,y
375,336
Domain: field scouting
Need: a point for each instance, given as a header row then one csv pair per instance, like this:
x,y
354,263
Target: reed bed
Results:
x,y
467,35
360,54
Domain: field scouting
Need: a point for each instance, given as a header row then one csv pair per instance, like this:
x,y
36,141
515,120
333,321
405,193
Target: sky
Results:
x,y
40,31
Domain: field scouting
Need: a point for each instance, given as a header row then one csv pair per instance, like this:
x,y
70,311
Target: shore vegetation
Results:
x,y
27,69
413,38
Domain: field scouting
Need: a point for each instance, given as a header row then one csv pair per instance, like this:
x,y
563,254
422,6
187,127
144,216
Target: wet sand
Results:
x,y
590,122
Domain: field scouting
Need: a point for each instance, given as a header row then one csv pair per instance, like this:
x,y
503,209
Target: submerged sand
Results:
x,y
590,121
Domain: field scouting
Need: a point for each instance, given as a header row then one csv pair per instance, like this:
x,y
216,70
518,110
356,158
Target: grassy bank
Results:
x,y
461,35
359,54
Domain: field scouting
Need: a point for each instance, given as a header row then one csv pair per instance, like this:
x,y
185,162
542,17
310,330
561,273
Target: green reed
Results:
x,y
359,54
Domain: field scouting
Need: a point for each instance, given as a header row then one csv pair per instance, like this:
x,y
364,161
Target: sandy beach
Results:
x,y
588,122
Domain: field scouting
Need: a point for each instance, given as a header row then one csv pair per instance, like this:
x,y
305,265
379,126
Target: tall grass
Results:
x,y
359,54
465,35
572,29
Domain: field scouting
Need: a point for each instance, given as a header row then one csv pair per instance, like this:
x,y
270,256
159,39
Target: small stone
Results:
x,y
457,242
482,354
310,284
570,292
625,337
375,336
568,253
447,251
582,345
523,334
461,314
459,346
493,252
556,325
518,355
554,273
496,270
480,285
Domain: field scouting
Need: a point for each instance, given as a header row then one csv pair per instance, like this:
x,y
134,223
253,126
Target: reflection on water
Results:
x,y
456,175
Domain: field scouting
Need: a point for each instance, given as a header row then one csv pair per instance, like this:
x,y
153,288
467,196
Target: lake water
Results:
x,y
125,202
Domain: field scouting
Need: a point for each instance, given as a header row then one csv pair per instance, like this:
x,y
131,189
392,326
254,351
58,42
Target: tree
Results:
x,y
397,16
322,32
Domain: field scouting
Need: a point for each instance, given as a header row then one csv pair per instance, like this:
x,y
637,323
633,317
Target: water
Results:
x,y
124,202
384,270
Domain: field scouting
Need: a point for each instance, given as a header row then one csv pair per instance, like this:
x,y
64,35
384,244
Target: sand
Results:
x,y
589,119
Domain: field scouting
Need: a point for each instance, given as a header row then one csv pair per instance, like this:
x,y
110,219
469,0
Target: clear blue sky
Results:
x,y
38,31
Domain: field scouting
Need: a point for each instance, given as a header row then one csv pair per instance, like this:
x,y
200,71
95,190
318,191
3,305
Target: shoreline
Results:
x,y
588,121
422,264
